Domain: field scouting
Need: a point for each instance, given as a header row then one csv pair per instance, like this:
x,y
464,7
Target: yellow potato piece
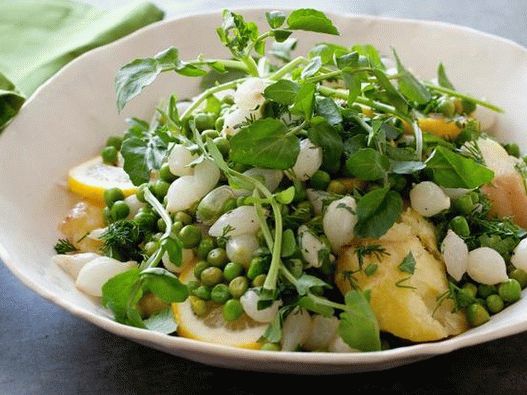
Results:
x,y
82,219
407,310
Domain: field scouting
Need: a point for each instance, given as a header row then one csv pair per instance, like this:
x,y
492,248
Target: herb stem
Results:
x,y
228,63
454,93
296,129
336,73
287,68
252,67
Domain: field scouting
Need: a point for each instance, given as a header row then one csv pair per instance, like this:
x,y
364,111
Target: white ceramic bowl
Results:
x,y
67,120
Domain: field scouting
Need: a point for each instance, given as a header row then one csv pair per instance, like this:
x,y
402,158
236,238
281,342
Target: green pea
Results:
x,y
259,280
145,219
140,193
109,155
494,303
223,145
202,292
520,276
205,246
477,314
112,195
512,149
119,210
464,204
200,266
320,180
510,290
257,266
190,236
232,310
192,285
198,306
217,257
150,247
114,141
220,293
183,217
470,289
204,121
468,106
177,226
165,174
210,133
270,347
219,124
238,286
460,226
446,106
161,225
228,99
232,270
484,290
211,276
160,189
337,187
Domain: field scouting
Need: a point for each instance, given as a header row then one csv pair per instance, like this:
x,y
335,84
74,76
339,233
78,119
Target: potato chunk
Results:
x,y
405,308
82,219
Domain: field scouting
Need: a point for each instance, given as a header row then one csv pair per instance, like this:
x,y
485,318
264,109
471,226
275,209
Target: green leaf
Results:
x,y
265,143
305,100
327,108
311,20
368,164
275,19
327,52
392,94
282,49
162,322
289,245
410,86
307,281
286,196
324,135
406,167
174,249
408,264
451,170
116,293
442,78
311,68
273,333
353,83
358,325
143,151
282,92
213,105
164,285
236,34
136,75
10,101
377,211
371,53
311,304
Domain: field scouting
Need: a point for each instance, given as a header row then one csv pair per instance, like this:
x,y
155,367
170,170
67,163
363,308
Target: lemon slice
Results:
x,y
242,333
91,178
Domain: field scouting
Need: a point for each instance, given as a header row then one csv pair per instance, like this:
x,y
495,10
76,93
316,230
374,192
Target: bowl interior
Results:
x,y
68,119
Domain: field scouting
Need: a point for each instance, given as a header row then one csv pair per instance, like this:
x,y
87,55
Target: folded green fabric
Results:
x,y
38,37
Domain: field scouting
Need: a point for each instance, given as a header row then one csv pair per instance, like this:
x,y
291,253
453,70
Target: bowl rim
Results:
x,y
365,359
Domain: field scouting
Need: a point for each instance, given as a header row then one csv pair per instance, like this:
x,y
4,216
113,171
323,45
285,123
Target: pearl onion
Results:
x,y
240,249
249,94
519,257
316,198
486,118
323,330
249,301
310,246
97,272
72,264
272,178
455,254
486,266
242,220
428,199
339,222
308,161
234,119
338,345
295,330
178,160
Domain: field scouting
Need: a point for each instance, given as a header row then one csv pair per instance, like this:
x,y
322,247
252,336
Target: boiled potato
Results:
x,y
407,310
82,219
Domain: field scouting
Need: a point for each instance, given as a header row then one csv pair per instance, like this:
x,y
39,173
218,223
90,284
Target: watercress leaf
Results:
x,y
408,264
162,322
371,53
406,167
311,304
133,317
164,285
10,101
353,83
348,60
311,20
275,19
174,249
288,243
189,70
327,108
282,49
452,170
305,100
286,196
311,68
358,326
392,94
235,33
355,143
116,293
442,78
265,143
282,92
324,135
213,105
368,164
280,35
168,58
143,151
273,333
377,211
410,86
307,281
327,52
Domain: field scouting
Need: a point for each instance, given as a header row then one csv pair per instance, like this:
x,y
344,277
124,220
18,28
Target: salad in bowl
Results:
x,y
331,201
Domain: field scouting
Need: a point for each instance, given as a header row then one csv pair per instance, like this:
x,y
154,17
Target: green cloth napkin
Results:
x,y
38,37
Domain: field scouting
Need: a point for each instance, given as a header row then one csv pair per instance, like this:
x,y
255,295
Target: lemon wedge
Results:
x,y
212,328
91,178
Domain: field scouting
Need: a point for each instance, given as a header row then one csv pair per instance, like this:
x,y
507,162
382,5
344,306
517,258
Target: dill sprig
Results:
x,y
121,240
64,246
